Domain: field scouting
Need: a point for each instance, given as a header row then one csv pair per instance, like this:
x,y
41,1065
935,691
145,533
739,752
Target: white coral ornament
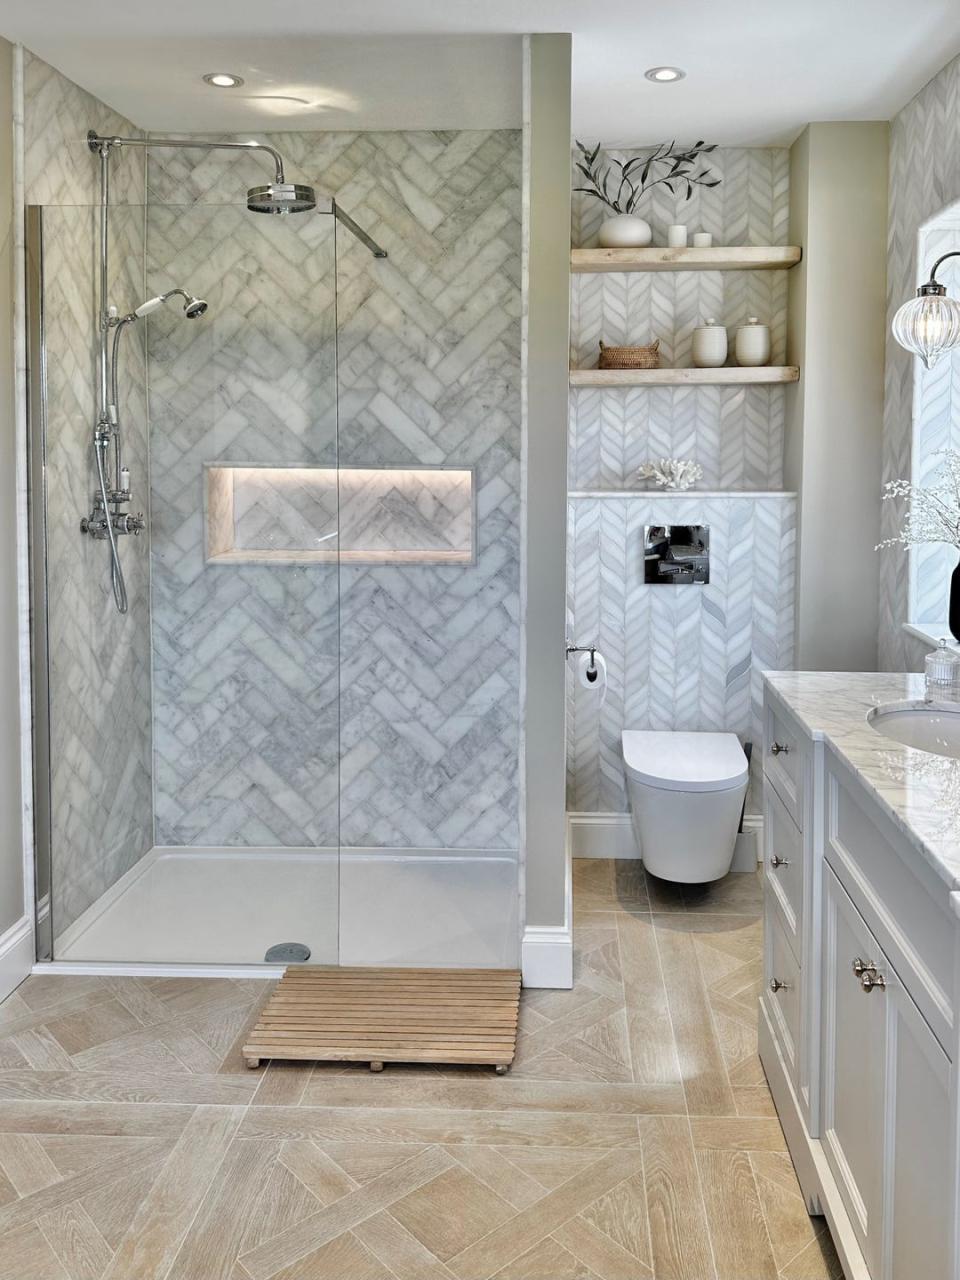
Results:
x,y
672,473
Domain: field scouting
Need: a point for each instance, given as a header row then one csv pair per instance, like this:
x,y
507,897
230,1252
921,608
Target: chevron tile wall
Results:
x,y
262,673
100,783
924,179
678,657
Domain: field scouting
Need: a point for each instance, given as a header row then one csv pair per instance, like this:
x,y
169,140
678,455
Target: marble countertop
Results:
x,y
919,791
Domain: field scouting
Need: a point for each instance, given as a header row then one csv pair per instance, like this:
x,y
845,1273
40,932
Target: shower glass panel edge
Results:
x,y
287,581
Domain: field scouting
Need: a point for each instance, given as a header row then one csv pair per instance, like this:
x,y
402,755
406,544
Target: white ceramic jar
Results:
x,y
677,236
709,345
753,343
625,231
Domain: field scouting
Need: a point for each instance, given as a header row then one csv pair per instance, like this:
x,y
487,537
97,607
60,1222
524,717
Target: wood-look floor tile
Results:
x,y
548,1260
113,1205
452,1212
103,1118
41,1051
26,1164
493,1251
755,1101
702,1068
817,1261
488,1166
339,1259
393,1244
134,1086
30,1207
215,1236
282,1084
284,1201
737,894
25,1254
75,1239
738,1229
630,885
159,1226
622,1215
746,1133
653,1051
136,996
44,991
679,1237
489,1128
318,1172
594,1248
364,1161
322,1227
75,1032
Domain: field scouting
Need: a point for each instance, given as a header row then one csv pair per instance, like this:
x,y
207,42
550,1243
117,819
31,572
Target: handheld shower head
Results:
x,y
192,307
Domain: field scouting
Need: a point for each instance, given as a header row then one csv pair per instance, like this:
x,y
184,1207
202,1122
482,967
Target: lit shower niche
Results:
x,y
358,515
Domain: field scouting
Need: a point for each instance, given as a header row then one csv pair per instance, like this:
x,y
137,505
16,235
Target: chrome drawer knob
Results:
x,y
776,985
777,861
780,749
864,966
869,981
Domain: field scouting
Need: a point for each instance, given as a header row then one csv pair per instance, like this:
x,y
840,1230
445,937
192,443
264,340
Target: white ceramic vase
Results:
x,y
625,231
709,346
752,344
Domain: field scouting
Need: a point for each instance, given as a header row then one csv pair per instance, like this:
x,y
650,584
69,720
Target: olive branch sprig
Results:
x,y
619,184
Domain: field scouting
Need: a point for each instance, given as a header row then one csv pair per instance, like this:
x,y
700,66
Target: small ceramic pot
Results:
x,y
677,236
753,343
625,231
709,346
702,239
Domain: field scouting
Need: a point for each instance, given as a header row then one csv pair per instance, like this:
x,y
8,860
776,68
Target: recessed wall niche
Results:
x,y
358,515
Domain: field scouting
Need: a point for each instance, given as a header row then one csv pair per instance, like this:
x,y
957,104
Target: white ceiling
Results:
x,y
757,69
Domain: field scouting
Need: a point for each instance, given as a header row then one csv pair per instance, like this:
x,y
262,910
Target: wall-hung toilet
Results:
x,y
686,795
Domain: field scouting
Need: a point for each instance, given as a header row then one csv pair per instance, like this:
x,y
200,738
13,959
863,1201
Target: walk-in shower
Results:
x,y
304,727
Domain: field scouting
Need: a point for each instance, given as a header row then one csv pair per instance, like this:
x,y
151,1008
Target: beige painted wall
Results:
x,y
836,334
11,846
548,344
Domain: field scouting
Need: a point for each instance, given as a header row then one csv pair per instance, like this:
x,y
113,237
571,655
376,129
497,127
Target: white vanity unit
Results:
x,y
858,1015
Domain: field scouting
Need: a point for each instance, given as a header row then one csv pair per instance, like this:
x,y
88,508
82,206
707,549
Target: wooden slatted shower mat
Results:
x,y
328,1014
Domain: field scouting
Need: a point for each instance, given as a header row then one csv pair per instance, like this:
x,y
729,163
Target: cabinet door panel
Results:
x,y
854,1065
919,1156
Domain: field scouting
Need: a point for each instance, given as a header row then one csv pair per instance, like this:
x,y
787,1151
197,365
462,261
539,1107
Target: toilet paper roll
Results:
x,y
592,674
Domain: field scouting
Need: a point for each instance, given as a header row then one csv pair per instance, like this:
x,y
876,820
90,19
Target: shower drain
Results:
x,y
287,953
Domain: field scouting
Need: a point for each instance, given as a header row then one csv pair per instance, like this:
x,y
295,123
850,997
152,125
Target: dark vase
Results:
x,y
954,618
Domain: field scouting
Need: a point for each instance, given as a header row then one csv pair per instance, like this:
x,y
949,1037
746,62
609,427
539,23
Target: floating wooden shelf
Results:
x,y
730,377
729,258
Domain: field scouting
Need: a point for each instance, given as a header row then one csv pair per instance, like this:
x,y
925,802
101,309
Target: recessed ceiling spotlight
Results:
x,y
664,75
223,80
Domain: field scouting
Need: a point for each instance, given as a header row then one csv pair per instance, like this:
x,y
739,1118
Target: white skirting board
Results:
x,y
546,956
610,835
17,954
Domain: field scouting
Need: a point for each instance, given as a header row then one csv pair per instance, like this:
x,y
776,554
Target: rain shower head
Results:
x,y
281,197
192,307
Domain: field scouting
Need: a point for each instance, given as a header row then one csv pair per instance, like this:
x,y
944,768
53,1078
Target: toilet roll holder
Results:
x,y
584,648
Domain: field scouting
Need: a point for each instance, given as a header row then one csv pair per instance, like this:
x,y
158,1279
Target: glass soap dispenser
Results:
x,y
942,673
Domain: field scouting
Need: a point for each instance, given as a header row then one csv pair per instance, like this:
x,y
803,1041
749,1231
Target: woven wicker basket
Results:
x,y
630,357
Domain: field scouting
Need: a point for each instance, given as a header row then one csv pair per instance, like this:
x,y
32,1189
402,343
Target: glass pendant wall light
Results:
x,y
929,324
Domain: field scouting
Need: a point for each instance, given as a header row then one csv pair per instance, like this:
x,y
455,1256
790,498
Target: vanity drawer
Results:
x,y
783,864
781,986
783,760
902,900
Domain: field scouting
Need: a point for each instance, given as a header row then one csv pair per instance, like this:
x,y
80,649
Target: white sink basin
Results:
x,y
928,726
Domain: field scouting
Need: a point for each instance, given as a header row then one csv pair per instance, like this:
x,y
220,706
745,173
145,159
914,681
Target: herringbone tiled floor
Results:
x,y
634,1137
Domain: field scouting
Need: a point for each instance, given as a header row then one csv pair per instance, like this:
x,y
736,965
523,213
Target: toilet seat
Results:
x,y
680,761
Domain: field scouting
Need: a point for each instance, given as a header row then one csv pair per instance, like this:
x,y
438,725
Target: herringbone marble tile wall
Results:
x,y
678,657
99,662
924,179
249,661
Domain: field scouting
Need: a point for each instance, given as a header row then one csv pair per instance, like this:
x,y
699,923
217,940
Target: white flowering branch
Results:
x,y
933,513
